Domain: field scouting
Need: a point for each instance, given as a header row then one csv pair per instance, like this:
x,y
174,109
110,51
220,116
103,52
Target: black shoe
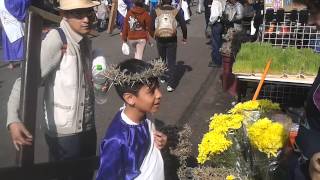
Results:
x,y
214,65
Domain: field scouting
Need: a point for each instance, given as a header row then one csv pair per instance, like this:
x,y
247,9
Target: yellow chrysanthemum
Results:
x,y
262,104
230,177
213,143
224,122
267,136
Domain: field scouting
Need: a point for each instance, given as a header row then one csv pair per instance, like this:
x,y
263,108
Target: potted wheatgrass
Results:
x,y
286,62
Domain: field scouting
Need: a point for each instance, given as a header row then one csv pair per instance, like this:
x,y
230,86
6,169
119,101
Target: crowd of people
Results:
x,y
131,147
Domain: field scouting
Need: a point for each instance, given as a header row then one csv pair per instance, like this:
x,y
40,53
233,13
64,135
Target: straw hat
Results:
x,y
77,4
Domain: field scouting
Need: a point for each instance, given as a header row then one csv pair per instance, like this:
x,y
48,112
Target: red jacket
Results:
x,y
137,25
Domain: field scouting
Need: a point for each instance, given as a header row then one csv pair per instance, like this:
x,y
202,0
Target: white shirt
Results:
x,y
122,8
217,9
234,12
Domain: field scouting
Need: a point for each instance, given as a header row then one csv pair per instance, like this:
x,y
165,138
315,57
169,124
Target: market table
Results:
x,y
290,80
280,89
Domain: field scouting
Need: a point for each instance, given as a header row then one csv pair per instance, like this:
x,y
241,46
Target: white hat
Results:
x,y
77,4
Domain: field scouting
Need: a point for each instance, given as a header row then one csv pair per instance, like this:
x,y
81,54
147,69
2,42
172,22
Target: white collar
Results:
x,y
126,119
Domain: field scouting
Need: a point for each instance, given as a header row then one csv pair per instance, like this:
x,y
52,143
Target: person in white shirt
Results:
x,y
102,13
234,13
217,8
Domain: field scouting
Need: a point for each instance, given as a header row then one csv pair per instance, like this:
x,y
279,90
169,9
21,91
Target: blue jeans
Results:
x,y
216,43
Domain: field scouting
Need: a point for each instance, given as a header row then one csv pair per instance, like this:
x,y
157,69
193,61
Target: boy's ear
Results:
x,y
129,98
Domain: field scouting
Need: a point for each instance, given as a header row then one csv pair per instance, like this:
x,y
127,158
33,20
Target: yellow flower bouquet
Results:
x,y
232,138
267,136
215,141
219,147
253,110
263,105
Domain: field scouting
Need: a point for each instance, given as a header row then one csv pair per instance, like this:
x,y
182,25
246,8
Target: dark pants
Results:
x,y
216,42
207,12
72,147
168,53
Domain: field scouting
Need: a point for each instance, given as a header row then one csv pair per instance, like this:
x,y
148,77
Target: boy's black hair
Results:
x,y
133,66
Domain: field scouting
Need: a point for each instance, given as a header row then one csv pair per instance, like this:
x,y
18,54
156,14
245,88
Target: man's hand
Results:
x,y
160,139
20,135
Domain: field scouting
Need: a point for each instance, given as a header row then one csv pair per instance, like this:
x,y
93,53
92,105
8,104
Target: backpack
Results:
x,y
62,36
63,39
166,23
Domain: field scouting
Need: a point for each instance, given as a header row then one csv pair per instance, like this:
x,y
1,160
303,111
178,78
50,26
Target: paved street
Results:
x,y
197,97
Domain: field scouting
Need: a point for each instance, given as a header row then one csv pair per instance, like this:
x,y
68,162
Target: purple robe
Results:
x,y
123,150
14,51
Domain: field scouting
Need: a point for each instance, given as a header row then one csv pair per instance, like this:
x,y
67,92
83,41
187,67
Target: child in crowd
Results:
x,y
137,28
165,19
131,147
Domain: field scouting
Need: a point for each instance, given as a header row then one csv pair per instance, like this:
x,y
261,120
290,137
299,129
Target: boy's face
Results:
x,y
148,99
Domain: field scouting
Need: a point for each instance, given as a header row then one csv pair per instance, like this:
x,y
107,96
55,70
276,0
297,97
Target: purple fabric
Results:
x,y
18,8
129,4
123,150
12,51
120,18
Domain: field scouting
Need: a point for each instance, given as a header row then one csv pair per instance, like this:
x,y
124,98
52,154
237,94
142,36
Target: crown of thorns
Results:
x,y
118,77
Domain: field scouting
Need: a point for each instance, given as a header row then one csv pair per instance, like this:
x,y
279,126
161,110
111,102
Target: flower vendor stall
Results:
x,y
244,143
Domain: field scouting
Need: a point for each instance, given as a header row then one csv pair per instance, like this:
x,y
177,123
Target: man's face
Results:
x,y
80,20
148,99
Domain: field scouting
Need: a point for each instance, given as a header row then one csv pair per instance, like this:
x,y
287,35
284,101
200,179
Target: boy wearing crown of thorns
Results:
x,y
131,147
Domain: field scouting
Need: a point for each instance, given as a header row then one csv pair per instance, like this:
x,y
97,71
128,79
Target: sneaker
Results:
x,y
170,89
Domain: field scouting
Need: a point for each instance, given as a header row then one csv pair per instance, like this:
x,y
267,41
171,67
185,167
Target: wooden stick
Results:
x,y
46,15
266,69
112,17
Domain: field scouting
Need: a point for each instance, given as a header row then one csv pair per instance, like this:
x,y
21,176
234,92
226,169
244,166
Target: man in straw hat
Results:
x,y
68,91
